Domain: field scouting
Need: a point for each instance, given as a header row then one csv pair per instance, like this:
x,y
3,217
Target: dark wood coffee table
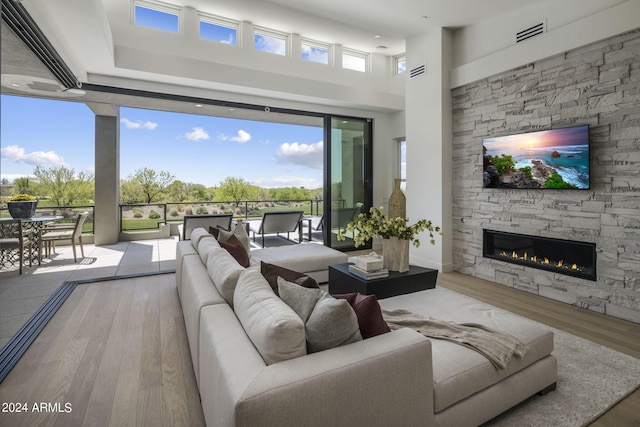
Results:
x,y
341,281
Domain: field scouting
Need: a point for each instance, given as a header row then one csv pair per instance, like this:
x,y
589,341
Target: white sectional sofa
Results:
x,y
397,378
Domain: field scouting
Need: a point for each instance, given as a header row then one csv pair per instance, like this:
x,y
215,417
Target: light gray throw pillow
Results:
x,y
241,234
302,300
329,322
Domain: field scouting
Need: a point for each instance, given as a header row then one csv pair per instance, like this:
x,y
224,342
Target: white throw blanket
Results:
x,y
498,347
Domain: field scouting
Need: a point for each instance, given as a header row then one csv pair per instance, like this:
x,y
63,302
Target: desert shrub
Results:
x,y
174,213
137,214
201,210
154,215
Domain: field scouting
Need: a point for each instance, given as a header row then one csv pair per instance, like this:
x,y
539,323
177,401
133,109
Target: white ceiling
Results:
x,y
355,23
81,29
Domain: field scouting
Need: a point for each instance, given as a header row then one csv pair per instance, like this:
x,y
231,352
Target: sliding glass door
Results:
x,y
348,176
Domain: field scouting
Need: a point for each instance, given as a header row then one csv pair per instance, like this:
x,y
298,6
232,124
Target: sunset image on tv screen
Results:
x,y
557,158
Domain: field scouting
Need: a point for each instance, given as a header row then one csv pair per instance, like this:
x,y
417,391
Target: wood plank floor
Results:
x,y
117,353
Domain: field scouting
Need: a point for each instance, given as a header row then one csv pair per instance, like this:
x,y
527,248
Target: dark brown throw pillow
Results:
x,y
237,250
272,271
368,312
214,231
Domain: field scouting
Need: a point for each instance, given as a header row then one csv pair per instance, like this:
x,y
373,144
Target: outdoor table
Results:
x,y
31,229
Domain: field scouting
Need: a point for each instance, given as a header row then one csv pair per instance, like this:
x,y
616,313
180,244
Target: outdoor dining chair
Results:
x,y
48,237
12,239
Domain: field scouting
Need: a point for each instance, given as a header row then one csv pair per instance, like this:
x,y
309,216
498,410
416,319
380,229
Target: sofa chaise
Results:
x,y
251,370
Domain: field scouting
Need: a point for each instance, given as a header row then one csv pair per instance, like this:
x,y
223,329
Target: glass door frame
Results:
x,y
368,175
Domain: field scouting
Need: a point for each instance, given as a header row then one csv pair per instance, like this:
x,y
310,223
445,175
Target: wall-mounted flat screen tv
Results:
x,y
556,158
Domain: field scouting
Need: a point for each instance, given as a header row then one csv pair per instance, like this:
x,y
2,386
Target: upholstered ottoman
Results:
x,y
309,258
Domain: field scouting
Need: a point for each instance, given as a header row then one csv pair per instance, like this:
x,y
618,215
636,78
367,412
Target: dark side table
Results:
x,y
341,281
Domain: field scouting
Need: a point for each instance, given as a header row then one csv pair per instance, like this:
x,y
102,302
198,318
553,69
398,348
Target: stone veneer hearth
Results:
x,y
599,85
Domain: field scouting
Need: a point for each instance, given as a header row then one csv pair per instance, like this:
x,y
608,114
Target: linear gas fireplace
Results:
x,y
568,257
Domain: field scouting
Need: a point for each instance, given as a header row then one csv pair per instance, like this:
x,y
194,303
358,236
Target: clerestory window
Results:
x,y
355,60
160,16
316,51
218,29
272,41
400,63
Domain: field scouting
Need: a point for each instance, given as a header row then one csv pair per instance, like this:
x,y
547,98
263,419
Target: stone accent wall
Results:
x,y
599,85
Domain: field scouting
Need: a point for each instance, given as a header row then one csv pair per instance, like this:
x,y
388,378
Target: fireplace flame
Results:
x,y
522,256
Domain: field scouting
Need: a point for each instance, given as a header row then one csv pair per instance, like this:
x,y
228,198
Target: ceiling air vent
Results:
x,y
533,31
418,71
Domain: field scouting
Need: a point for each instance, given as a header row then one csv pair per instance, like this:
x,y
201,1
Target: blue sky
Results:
x,y
197,149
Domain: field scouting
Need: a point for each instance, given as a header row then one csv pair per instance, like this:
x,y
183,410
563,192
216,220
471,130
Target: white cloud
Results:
x,y
197,134
13,176
314,54
241,137
139,124
37,158
229,40
309,155
289,181
271,45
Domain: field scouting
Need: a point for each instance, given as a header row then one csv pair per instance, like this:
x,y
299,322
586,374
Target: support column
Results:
x,y
107,175
429,144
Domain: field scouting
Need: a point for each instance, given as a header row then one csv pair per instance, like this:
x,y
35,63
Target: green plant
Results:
x,y
377,224
22,198
527,170
502,163
556,181
154,215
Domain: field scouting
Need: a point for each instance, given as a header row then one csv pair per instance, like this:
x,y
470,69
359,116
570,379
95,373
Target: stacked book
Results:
x,y
368,275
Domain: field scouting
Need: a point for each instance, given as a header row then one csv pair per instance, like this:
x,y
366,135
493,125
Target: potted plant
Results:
x,y
22,206
395,232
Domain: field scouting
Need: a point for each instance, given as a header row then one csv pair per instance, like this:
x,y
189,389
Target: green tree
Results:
x,y
234,189
22,186
130,192
198,192
152,183
63,186
178,191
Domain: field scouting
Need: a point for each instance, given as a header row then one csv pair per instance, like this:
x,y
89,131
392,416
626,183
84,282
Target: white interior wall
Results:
x,y
489,47
479,40
428,133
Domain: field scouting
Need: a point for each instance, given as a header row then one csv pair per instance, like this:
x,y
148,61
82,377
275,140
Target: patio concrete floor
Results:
x,y
22,295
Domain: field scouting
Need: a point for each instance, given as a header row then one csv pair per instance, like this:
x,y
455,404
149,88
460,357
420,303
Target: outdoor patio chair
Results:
x,y
48,237
276,223
12,239
191,222
343,216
